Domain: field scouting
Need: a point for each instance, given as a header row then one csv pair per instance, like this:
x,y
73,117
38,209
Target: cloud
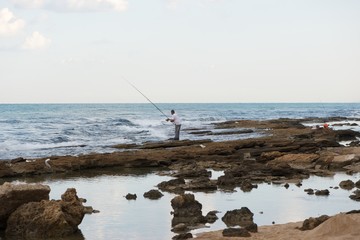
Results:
x,y
28,3
9,24
36,41
74,5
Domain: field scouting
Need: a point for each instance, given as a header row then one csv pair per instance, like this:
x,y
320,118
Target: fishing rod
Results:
x,y
146,97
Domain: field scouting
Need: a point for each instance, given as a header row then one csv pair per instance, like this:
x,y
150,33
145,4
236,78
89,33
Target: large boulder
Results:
x,y
47,219
239,217
187,210
13,196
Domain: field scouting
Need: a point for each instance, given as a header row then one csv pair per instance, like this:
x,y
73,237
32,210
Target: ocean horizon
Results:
x,y
53,129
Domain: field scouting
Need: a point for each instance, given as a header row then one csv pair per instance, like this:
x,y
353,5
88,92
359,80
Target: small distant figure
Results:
x,y
326,126
176,120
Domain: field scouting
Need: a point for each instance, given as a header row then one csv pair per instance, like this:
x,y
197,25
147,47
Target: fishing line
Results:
x,y
145,96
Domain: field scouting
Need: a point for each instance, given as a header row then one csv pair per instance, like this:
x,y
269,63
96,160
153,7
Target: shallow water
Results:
x,y
151,219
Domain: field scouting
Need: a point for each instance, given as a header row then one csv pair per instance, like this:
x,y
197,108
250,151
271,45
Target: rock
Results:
x,y
286,185
356,195
312,223
186,210
5,170
247,186
239,217
322,192
183,236
309,191
47,219
347,184
357,184
130,196
13,196
181,227
236,232
153,194
203,184
252,227
211,217
173,185
193,173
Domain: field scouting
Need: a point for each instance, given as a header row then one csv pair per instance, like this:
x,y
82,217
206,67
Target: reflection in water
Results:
x,y
151,219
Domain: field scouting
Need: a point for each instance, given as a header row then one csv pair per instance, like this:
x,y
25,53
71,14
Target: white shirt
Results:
x,y
176,119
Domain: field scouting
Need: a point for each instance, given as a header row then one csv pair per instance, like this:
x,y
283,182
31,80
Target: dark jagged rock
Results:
x,y
173,185
347,184
203,184
324,192
312,223
357,184
247,186
186,210
183,236
356,195
309,191
153,194
130,196
211,217
192,173
239,217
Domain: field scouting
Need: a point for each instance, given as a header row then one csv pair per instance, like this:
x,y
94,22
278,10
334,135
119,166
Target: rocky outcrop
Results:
x,y
186,210
312,223
47,219
13,196
239,217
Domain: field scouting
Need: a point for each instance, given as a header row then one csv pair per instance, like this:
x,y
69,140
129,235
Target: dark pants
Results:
x,y
177,132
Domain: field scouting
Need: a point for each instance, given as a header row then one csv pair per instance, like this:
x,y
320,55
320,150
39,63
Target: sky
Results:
x,y
179,51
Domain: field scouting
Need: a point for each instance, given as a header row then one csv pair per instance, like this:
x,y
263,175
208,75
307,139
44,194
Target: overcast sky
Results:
x,y
70,51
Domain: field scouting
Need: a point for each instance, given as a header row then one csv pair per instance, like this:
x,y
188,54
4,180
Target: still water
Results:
x,y
151,219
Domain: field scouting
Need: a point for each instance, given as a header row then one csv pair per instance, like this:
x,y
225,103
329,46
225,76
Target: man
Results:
x,y
176,120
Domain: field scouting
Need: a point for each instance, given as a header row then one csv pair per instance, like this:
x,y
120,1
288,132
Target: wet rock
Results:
x,y
312,223
130,196
203,184
183,236
236,232
286,185
239,217
324,192
247,186
13,196
173,185
309,191
211,217
356,195
347,184
47,219
181,227
252,227
357,184
186,210
153,194
193,173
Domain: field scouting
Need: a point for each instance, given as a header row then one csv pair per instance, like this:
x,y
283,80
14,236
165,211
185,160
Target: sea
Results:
x,y
43,130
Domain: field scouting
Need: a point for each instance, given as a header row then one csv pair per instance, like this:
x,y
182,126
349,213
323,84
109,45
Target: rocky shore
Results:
x,y
284,151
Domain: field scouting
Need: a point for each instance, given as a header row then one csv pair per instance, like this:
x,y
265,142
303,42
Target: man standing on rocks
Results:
x,y
176,120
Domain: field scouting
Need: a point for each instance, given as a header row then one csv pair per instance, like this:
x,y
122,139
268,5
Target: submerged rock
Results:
x,y
347,184
324,192
153,194
130,196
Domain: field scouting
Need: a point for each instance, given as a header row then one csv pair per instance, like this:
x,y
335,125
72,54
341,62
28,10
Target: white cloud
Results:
x,y
92,5
28,3
74,5
9,24
36,41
